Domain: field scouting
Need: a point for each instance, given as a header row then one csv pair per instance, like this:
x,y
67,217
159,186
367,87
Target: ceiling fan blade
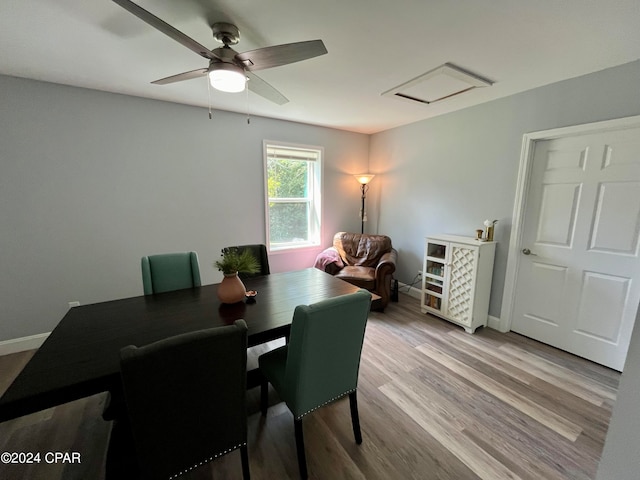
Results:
x,y
277,55
262,88
182,76
167,29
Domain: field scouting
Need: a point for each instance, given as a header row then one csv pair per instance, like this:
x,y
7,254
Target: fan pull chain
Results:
x,y
209,95
248,115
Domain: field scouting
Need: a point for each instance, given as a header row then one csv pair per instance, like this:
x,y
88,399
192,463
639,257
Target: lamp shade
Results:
x,y
364,178
227,77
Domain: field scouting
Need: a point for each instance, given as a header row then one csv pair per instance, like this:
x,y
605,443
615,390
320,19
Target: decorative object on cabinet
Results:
x,y
456,284
367,261
489,226
363,180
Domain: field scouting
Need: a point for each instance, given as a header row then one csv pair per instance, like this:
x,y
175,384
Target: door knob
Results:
x,y
526,251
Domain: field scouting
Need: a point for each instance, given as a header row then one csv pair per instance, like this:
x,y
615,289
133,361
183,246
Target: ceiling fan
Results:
x,y
228,70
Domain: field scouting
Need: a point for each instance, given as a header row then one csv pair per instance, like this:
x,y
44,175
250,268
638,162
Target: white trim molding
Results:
x,y
21,344
494,323
522,189
411,291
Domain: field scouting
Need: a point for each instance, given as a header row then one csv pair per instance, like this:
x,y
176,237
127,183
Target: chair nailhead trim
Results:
x,y
326,403
207,460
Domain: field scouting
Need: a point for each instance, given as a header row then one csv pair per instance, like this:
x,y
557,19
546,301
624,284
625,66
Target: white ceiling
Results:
x,y
373,46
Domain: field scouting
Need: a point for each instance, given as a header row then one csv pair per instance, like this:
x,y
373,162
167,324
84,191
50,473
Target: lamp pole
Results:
x,y
363,180
362,210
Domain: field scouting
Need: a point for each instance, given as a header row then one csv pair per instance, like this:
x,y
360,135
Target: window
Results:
x,y
292,186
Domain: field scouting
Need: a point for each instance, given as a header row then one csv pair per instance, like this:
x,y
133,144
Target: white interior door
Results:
x,y
578,277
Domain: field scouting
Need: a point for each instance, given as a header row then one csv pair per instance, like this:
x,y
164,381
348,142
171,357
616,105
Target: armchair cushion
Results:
x,y
364,277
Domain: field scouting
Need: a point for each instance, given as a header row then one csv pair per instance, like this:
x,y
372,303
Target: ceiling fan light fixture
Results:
x,y
227,77
228,70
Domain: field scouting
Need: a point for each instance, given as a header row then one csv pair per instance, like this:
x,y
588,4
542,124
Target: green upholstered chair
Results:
x,y
185,398
160,273
259,251
321,361
170,271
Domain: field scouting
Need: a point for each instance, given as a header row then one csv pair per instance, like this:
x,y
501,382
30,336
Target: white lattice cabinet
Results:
x,y
456,279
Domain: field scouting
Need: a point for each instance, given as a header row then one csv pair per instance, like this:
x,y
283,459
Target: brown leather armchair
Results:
x,y
367,261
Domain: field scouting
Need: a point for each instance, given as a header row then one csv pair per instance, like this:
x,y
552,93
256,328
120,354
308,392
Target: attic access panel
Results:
x,y
438,84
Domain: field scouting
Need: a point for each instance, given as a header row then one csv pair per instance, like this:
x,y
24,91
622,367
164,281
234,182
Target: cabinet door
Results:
x,y
461,280
433,278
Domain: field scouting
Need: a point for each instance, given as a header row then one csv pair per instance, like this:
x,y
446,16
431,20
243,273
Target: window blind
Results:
x,y
281,153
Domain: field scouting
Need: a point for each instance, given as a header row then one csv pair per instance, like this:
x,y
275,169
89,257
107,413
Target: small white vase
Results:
x,y
231,289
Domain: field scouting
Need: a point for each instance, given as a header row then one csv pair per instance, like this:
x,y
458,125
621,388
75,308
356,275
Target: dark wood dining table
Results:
x,y
81,356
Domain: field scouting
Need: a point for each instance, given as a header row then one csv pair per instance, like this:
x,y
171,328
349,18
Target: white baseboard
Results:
x,y
495,323
21,344
492,322
411,291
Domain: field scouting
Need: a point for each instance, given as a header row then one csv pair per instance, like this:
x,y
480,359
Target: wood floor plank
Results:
x,y
510,432
392,449
552,373
480,354
543,415
562,377
598,373
443,427
434,401
392,357
487,414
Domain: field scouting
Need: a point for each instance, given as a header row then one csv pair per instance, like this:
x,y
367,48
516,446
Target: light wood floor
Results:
x,y
435,403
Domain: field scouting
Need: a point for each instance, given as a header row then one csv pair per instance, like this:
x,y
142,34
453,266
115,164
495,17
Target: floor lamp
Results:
x,y
363,180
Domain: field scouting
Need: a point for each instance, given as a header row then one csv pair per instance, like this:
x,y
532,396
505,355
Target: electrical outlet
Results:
x,y
420,273
75,303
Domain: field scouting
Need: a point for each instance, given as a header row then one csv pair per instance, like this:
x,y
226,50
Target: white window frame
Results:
x,y
314,155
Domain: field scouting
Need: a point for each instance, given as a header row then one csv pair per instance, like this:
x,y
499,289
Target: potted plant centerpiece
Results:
x,y
233,261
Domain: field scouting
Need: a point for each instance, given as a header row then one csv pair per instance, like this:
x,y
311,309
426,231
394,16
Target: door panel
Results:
x,y
547,292
603,297
543,305
557,214
615,226
579,287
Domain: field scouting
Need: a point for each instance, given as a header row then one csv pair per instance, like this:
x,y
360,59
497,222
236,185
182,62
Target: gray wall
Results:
x,y
91,181
450,173
621,454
